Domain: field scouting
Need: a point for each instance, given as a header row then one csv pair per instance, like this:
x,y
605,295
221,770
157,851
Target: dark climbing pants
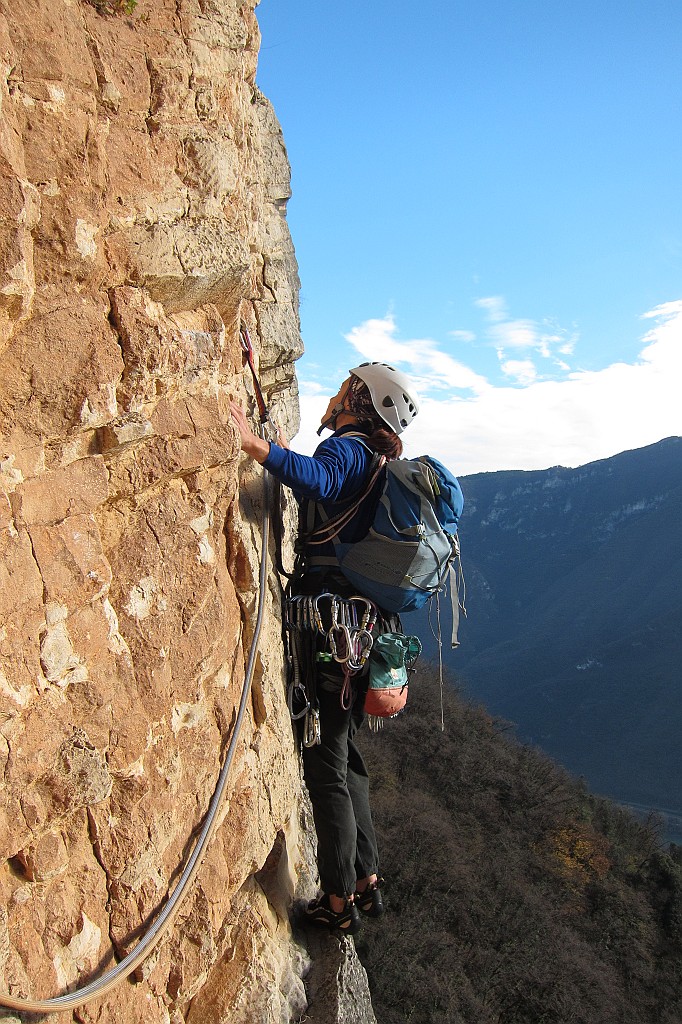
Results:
x,y
337,780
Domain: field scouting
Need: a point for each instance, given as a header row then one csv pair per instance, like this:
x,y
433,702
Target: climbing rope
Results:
x,y
103,984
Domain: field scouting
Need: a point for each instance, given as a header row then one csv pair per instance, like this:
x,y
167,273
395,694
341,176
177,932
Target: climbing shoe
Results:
x,y
319,912
369,901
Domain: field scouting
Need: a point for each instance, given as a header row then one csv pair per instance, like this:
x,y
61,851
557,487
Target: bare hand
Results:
x,y
281,439
240,421
251,443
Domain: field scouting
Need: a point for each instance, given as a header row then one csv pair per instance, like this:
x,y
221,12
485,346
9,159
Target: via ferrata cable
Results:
x,y
105,982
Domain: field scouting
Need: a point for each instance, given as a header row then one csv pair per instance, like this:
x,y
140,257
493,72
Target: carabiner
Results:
x,y
370,615
316,610
295,692
248,349
363,641
311,729
341,631
290,609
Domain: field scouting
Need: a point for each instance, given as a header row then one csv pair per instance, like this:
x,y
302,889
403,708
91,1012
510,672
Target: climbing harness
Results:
x,y
107,981
324,628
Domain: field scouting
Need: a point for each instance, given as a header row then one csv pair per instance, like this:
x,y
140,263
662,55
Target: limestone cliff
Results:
x,y
143,186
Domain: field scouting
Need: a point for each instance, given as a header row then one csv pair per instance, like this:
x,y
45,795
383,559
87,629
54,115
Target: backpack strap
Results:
x,y
457,591
331,526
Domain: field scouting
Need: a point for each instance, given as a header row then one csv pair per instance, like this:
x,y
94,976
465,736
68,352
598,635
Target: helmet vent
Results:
x,y
393,400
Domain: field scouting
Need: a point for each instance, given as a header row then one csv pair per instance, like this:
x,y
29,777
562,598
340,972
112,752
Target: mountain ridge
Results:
x,y
574,630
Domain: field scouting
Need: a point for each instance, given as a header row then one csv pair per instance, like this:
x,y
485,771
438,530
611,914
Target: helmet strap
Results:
x,y
330,422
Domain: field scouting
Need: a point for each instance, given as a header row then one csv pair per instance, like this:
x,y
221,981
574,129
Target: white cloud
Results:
x,y
587,415
546,339
516,334
312,388
465,336
522,370
494,306
312,411
430,367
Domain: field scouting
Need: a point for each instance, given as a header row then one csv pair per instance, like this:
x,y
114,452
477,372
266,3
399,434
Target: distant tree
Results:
x,y
513,895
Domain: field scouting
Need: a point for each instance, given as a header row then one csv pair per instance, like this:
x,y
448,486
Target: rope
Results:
x,y
329,529
107,981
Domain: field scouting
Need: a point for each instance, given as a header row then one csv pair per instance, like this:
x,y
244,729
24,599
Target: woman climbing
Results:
x,y
372,407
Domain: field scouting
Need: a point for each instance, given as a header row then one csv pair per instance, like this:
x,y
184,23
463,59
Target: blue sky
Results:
x,y
488,195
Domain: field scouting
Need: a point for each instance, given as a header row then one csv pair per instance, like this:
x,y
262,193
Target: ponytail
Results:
x,y
382,440
359,402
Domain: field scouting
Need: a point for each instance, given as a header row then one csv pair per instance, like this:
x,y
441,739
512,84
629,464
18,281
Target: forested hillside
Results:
x,y
575,615
513,895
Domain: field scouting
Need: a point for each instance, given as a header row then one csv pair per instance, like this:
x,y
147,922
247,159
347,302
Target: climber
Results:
x,y
377,403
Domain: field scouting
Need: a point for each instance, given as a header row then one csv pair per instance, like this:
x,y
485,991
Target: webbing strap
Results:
x,y
454,600
248,349
326,560
331,526
457,592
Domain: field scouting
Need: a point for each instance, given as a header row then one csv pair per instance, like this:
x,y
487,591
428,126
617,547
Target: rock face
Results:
x,y
143,185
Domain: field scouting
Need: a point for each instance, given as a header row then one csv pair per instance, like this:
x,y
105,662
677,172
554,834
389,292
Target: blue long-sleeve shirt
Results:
x,y
337,472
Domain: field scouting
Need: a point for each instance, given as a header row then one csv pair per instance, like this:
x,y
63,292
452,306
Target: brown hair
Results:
x,y
381,438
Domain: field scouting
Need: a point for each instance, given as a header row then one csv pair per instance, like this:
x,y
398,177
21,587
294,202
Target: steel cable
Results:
x,y
108,980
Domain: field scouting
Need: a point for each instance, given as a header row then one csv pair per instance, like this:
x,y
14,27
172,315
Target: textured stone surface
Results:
x,y
143,186
337,989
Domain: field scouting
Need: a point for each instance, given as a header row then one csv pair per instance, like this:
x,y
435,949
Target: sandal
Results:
x,y
319,912
369,901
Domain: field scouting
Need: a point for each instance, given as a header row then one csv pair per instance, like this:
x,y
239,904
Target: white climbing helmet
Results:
x,y
392,394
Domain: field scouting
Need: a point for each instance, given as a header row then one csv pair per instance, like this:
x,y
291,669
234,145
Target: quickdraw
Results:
x,y
322,628
248,351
